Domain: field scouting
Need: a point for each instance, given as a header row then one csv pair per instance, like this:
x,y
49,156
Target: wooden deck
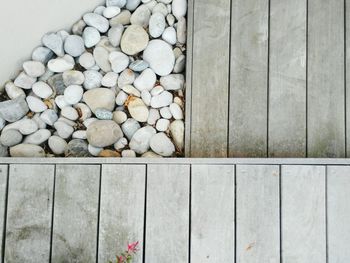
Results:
x,y
181,210
268,78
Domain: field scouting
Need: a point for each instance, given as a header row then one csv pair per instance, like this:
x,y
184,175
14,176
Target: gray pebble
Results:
x,y
53,42
129,127
138,65
103,114
77,148
42,54
74,45
10,137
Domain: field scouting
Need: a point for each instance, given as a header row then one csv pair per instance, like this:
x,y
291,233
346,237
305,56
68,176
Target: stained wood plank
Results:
x,y
338,209
248,79
287,87
258,213
212,214
210,78
121,210
326,114
75,213
167,213
303,214
29,213
3,194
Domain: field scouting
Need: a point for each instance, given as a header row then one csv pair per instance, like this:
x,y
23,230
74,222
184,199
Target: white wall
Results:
x,y
24,22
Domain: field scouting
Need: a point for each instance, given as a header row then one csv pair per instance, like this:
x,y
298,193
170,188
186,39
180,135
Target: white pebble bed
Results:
x,y
112,87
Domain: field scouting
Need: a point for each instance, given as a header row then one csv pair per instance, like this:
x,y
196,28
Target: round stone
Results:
x,y
100,98
132,4
123,18
10,137
78,27
146,97
24,81
83,111
141,16
162,145
146,80
74,45
57,84
180,64
179,8
35,104
97,21
157,90
111,11
156,25
77,148
127,77
177,131
115,34
110,79
138,110
140,141
134,40
94,151
73,94
38,137
93,79
162,100
101,56
119,117
34,68
119,61
131,90
128,154
176,111
27,150
162,125
118,3
28,126
169,35
129,127
165,113
160,57
61,64
63,129
87,60
42,54
73,77
153,116
13,91
81,134
103,114
91,36
54,42
42,90
181,30
61,102
138,65
102,133
173,82
121,98
49,116
70,113
57,145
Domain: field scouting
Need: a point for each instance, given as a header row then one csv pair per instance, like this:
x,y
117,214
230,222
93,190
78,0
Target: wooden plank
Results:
x,y
248,79
287,87
121,210
167,213
258,213
338,210
326,114
210,78
75,213
212,214
29,212
3,195
303,214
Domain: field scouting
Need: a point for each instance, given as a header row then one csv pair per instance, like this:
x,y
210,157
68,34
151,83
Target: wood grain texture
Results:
x,y
210,78
29,213
326,114
338,209
121,210
3,195
75,213
167,213
248,79
212,214
258,213
303,214
287,87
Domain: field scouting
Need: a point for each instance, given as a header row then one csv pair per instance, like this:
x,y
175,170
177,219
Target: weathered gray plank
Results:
x,y
75,213
287,87
210,78
167,213
121,209
303,214
248,79
326,115
338,209
29,213
258,213
212,213
3,194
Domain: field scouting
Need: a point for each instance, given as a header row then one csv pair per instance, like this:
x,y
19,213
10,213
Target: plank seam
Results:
x,y
307,80
229,84
191,102
2,256
235,213
280,212
98,214
345,81
268,78
326,210
53,211
145,217
190,215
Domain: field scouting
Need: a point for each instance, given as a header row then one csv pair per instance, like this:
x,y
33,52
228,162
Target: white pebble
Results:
x,y
42,90
146,80
93,79
35,104
121,98
87,60
119,61
61,64
165,113
63,129
70,113
169,35
73,94
111,11
57,144
34,68
61,102
162,100
13,91
94,151
49,116
91,36
162,125
128,154
110,79
24,81
176,111
28,126
153,116
119,117
146,97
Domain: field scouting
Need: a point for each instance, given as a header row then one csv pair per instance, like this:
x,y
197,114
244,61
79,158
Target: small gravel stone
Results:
x,y
74,45
42,90
10,137
169,35
110,79
103,114
173,82
118,3
176,111
49,116
73,94
41,124
57,144
13,110
141,16
119,61
83,110
156,25
42,54
63,129
34,69
127,77
93,79
115,35
102,133
101,56
128,154
132,4
111,11
170,19
109,153
61,102
27,150
138,65
28,126
179,8
146,97
157,90
162,145
162,100
153,116
162,125
56,83
99,10
54,42
24,81
119,117
91,37
89,121
62,64
77,148
138,110
94,151
13,91
38,137
81,134
73,77
97,21
140,141
35,104
129,127
181,30
146,80
87,60
165,113
177,131
180,64
120,144
99,98
78,27
134,40
70,113
123,18
160,8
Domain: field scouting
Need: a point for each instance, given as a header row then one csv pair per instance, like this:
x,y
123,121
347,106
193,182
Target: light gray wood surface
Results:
x,y
338,185
326,110
210,78
3,194
248,79
167,213
28,227
287,87
257,213
121,210
212,214
303,214
75,213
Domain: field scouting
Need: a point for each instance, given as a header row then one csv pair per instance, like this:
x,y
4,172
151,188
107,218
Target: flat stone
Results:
x,y
10,137
160,57
141,16
162,125
54,42
13,110
92,80
150,154
134,40
146,80
100,98
115,35
179,8
101,56
77,148
162,100
103,114
91,37
63,129
57,84
103,133
129,127
70,113
173,82
123,18
131,5
118,3
57,144
61,64
42,90
130,90
156,25
13,91
119,61
169,35
127,77
128,154
140,141
42,54
87,60
111,11
153,116
138,65
34,69
74,45
119,117
110,79
181,30
49,116
38,137
138,110
97,21
24,81
35,104
27,150
162,145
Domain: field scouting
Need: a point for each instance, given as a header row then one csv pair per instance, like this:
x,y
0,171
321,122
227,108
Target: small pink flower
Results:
x,y
132,248
120,259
